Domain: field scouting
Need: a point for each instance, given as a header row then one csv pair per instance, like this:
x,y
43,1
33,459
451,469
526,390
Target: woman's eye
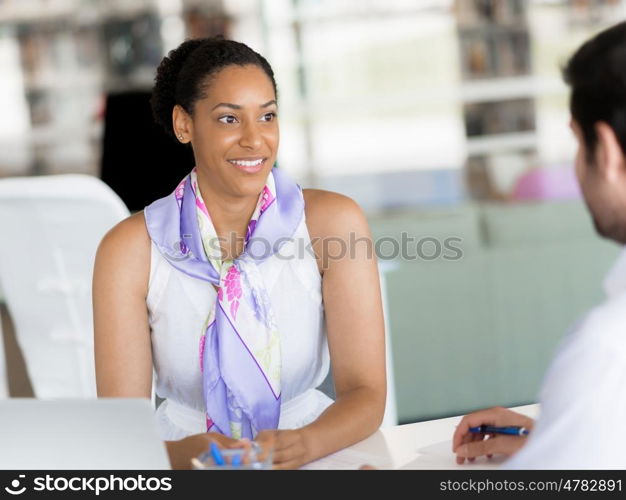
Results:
x,y
228,119
268,117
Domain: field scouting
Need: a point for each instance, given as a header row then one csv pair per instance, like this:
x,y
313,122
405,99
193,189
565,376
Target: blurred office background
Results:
x,y
443,119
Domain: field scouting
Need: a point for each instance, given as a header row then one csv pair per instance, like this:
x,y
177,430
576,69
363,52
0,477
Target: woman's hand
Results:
x,y
468,446
182,451
290,447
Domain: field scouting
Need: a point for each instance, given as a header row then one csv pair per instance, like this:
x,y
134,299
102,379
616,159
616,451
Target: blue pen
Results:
x,y
488,429
215,453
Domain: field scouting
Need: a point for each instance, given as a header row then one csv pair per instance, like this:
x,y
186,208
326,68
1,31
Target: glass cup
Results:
x,y
251,457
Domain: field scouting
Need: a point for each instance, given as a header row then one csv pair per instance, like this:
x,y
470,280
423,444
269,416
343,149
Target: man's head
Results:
x,y
596,74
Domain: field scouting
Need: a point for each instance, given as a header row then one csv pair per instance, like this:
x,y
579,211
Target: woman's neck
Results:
x,y
230,216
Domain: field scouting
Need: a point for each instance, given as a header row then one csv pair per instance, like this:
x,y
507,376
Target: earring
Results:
x,y
180,137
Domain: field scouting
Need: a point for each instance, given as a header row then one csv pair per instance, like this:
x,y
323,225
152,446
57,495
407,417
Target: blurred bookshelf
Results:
x,y
475,79
501,90
592,12
66,56
497,91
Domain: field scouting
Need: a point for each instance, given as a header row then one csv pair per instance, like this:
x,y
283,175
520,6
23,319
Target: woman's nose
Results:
x,y
251,137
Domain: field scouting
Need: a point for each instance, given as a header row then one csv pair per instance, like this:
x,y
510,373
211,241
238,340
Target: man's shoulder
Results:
x,y
594,345
603,327
583,389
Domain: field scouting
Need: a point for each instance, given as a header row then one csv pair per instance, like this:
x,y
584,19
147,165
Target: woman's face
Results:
x,y
234,131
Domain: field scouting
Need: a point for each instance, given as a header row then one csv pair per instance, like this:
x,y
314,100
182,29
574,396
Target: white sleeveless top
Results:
x,y
178,306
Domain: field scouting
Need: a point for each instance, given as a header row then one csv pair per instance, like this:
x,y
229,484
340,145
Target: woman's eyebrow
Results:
x,y
226,105
237,106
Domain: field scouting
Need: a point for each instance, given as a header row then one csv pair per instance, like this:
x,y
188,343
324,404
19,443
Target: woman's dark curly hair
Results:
x,y
185,74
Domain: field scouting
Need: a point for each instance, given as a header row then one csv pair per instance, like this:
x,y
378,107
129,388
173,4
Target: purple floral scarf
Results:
x,y
240,342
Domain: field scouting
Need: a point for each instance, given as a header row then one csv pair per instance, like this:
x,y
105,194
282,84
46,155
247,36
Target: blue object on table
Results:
x,y
216,454
510,431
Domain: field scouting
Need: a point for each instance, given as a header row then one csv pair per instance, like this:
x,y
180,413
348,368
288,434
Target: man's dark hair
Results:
x,y
185,74
596,74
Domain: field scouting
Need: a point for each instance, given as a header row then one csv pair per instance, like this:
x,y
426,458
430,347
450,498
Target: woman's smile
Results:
x,y
249,165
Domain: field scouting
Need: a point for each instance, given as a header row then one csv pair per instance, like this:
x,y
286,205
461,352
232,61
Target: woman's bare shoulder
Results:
x,y
331,214
130,234
126,249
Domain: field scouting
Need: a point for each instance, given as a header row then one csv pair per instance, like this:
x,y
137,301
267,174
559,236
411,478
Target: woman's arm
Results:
x,y
123,350
356,337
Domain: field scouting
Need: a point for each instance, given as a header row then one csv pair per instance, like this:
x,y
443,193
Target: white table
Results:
x,y
399,447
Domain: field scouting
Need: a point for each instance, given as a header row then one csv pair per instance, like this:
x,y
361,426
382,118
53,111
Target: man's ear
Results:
x,y
609,155
182,123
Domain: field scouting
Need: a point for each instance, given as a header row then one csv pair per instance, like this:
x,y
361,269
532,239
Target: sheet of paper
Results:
x,y
346,460
440,456
442,449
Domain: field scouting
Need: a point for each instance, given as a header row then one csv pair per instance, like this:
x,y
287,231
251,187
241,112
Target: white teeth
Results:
x,y
243,163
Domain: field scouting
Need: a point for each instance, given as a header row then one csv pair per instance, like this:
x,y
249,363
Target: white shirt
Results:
x,y
583,398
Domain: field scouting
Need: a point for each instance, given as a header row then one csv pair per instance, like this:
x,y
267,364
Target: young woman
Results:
x,y
216,287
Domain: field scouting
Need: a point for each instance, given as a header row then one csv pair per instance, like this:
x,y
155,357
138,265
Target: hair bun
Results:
x,y
163,97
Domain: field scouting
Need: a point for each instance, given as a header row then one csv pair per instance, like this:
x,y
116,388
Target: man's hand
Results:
x,y
468,446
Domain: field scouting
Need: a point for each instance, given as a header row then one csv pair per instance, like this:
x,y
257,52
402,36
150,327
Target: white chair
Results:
x,y
4,380
390,417
50,228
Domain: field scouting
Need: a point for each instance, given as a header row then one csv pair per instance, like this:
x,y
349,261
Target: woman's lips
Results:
x,y
250,166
